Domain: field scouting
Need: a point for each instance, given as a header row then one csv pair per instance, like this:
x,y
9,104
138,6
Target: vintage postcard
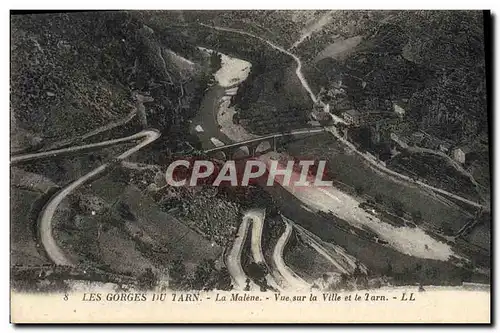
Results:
x,y
258,166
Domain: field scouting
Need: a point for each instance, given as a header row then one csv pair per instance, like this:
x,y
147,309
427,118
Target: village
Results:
x,y
387,130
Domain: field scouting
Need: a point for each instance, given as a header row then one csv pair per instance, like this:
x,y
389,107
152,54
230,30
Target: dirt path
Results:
x,y
140,166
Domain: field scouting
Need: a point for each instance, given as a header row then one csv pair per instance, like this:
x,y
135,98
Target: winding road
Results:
x,y
45,220
233,260
298,70
257,217
294,281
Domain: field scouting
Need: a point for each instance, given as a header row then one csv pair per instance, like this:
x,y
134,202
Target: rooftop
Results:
x,y
352,113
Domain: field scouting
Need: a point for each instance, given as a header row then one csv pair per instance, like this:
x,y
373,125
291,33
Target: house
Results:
x,y
352,117
314,123
321,117
326,108
336,92
459,154
417,138
399,109
469,153
341,104
401,141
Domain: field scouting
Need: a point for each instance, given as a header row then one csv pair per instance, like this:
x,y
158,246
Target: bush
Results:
x,y
416,216
398,208
147,280
359,190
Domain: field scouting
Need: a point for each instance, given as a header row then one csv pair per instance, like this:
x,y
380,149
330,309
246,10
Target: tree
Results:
x,y
257,271
215,61
362,281
357,271
431,273
398,208
224,280
177,273
344,279
359,190
204,276
447,229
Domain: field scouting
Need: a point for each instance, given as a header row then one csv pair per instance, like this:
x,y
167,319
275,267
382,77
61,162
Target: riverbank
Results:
x,y
411,241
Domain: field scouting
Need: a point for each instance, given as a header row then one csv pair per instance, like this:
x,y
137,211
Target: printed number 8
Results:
x,y
65,297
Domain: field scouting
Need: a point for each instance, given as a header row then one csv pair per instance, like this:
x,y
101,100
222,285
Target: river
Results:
x,y
376,257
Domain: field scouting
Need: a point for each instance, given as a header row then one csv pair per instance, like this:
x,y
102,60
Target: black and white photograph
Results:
x,y
260,156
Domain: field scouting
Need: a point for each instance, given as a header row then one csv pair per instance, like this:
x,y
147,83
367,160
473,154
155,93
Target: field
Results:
x,y
272,231
115,243
109,219
305,261
378,258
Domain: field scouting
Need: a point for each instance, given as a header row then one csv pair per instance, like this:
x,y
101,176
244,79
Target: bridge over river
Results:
x,y
262,144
